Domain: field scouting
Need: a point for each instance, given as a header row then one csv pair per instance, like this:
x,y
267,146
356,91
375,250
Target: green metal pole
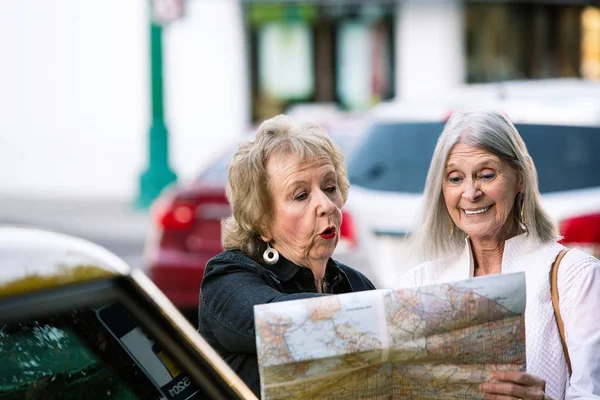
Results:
x,y
158,174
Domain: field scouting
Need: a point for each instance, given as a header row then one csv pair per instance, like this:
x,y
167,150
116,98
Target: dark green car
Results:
x,y
77,323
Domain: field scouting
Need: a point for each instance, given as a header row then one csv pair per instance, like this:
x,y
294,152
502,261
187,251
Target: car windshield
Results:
x,y
395,157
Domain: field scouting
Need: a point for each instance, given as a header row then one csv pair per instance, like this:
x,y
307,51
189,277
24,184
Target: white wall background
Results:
x,y
74,93
430,43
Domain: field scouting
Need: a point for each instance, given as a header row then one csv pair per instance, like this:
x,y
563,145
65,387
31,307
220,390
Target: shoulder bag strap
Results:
x,y
554,290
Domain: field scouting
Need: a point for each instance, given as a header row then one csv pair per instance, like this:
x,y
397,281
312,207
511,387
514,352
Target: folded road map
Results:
x,y
430,342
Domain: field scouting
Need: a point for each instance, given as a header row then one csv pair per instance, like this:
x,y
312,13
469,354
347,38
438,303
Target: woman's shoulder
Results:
x,y
232,254
577,263
579,257
230,260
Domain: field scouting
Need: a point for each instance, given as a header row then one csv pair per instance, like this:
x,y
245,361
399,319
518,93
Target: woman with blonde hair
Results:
x,y
286,189
482,215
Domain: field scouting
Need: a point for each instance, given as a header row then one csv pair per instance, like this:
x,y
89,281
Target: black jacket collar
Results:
x,y
286,271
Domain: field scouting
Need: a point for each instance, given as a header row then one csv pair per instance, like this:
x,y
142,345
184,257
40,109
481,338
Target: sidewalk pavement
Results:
x,y
114,223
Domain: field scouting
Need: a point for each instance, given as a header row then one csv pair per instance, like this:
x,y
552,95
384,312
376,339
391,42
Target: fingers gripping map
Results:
x,y
428,342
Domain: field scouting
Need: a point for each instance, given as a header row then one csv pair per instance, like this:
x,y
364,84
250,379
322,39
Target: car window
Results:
x,y
86,353
566,157
395,157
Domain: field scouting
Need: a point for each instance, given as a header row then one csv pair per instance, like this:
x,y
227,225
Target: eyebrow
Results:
x,y
330,174
484,161
293,185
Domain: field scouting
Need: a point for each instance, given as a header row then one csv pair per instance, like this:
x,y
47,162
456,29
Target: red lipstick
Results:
x,y
328,233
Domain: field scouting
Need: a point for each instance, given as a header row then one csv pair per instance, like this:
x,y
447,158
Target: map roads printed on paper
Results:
x,y
428,342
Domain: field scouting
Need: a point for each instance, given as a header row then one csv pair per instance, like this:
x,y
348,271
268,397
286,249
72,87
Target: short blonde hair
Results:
x,y
248,187
495,133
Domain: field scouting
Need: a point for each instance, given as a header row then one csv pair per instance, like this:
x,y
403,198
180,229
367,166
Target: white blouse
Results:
x,y
579,294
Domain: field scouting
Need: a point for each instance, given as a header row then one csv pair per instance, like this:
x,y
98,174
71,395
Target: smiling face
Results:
x,y
479,191
307,204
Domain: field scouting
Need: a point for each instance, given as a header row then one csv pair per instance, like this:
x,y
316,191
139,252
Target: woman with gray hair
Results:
x,y
286,189
482,215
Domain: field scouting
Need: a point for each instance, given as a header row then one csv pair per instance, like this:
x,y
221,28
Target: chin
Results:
x,y
323,255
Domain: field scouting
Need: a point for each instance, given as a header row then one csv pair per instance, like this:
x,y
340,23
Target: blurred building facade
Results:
x,y
75,101
355,53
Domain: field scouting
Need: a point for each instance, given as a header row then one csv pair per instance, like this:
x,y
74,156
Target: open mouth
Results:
x,y
328,233
477,211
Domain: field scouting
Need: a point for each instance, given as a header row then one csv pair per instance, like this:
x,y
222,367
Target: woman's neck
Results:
x,y
316,266
319,284
487,257
488,251
318,271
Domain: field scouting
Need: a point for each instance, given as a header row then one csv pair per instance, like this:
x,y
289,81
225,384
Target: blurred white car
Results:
x,y
388,168
558,101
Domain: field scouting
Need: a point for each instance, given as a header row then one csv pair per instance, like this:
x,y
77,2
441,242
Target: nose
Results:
x,y
324,206
471,192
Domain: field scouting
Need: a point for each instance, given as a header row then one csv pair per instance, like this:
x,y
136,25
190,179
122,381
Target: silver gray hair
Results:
x,y
493,132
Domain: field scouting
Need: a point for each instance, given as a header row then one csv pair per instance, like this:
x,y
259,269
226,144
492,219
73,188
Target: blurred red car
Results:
x,y
186,227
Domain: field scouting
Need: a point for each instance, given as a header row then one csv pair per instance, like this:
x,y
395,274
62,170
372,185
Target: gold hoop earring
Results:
x,y
450,226
522,214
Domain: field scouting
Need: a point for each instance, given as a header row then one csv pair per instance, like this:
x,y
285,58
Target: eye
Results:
x,y
331,189
453,179
301,196
488,176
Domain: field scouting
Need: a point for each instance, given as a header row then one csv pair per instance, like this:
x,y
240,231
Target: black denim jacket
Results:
x,y
233,283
